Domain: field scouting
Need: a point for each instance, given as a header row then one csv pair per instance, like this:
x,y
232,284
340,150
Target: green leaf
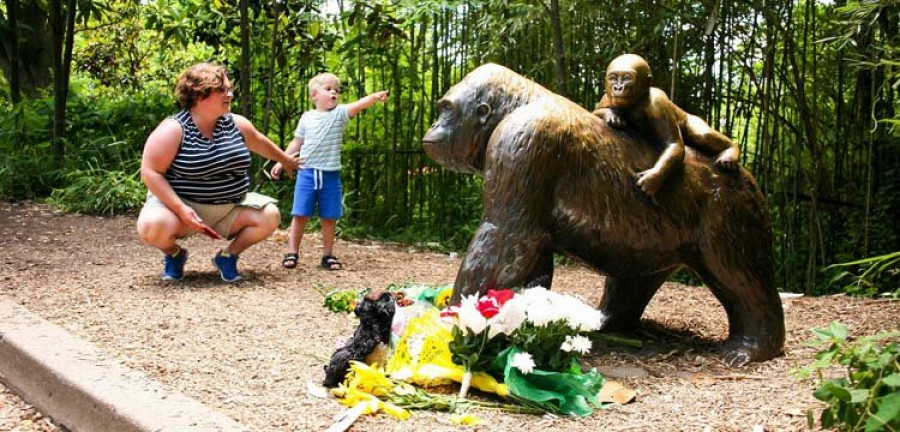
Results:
x,y
859,395
892,380
888,411
838,330
822,334
840,393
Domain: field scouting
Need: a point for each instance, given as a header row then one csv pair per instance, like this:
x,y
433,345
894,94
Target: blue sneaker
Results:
x,y
227,265
173,265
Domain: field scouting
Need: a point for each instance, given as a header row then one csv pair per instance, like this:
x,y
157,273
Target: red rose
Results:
x,y
488,307
501,296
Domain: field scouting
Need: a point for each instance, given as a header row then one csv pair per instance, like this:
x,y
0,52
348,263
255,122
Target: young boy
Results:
x,y
318,137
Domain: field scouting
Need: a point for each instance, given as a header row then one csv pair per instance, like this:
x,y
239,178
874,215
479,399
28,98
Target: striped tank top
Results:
x,y
210,171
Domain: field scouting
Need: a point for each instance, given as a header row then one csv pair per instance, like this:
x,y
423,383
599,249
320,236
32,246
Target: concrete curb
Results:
x,y
84,390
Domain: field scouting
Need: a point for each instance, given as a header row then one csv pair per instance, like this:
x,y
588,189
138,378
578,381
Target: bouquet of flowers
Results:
x,y
533,341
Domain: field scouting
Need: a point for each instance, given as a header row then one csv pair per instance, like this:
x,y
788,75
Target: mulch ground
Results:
x,y
249,349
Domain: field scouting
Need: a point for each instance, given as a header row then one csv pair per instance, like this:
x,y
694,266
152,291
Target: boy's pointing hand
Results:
x,y
380,96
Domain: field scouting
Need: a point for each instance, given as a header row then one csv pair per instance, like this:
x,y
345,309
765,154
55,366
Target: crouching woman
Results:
x,y
195,165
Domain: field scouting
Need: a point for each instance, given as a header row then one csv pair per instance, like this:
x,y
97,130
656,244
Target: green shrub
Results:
x,y
869,276
867,397
99,191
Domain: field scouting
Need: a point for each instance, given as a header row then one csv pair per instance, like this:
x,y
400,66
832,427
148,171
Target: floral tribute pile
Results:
x,y
522,346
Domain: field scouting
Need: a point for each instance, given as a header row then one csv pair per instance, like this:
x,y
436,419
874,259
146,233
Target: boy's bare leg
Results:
x,y
328,229
298,227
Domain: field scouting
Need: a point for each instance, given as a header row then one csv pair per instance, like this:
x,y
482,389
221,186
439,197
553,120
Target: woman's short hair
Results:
x,y
197,82
319,80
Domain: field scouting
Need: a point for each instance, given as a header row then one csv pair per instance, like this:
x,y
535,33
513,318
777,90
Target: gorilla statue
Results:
x,y
559,179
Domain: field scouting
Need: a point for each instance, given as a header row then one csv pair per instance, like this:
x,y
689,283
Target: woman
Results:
x,y
195,165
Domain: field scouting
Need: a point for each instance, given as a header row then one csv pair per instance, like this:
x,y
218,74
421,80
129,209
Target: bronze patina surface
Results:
x,y
631,101
560,179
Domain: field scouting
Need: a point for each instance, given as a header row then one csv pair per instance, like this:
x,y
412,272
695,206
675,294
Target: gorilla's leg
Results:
x,y
543,271
503,256
626,297
746,289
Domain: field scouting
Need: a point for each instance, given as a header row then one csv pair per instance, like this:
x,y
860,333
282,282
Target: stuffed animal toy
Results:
x,y
375,312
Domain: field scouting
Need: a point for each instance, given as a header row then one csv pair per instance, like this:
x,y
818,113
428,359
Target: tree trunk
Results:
x,y
63,41
35,37
12,8
246,96
270,82
559,58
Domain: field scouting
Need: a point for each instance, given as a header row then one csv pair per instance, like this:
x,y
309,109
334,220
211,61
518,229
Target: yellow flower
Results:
x,y
394,411
364,385
443,298
466,420
368,379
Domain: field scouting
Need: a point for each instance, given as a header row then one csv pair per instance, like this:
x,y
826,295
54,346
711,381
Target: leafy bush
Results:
x,y
880,274
868,396
27,167
100,192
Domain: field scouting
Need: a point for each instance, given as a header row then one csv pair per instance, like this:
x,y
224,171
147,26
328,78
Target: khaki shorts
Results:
x,y
219,217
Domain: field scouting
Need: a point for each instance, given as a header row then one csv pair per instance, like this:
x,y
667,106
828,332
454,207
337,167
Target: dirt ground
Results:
x,y
249,349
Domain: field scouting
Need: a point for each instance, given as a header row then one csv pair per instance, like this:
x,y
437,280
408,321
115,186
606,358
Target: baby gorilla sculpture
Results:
x,y
559,179
375,313
630,97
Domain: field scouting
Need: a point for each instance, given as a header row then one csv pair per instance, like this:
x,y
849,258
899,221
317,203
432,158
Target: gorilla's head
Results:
x,y
469,112
628,80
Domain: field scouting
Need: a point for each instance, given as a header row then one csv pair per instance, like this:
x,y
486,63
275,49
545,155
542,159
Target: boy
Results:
x,y
318,139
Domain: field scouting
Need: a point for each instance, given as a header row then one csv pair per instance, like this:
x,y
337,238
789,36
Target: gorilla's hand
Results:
x,y
727,162
610,117
650,180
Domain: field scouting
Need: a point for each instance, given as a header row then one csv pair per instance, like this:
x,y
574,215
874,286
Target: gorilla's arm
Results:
x,y
512,246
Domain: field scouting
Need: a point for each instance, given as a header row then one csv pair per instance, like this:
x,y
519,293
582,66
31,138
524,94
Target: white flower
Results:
x,y
523,362
546,306
468,316
510,317
577,343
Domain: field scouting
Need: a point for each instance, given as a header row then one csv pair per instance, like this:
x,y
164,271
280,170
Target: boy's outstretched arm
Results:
x,y
367,101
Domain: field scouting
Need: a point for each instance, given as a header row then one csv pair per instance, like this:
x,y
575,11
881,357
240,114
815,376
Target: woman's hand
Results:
x,y
190,218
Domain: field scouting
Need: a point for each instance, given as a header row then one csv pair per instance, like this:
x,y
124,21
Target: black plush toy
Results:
x,y
375,312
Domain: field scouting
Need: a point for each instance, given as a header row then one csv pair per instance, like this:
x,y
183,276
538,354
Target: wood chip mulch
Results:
x,y
249,349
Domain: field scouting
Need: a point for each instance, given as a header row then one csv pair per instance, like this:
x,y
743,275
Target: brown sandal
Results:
x,y
290,260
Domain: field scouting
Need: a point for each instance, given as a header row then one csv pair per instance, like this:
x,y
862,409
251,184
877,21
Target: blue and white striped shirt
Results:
x,y
210,171
322,133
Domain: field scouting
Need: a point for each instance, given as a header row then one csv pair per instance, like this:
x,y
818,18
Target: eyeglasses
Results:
x,y
228,91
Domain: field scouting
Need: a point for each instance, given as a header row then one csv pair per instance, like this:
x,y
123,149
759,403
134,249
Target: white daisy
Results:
x,y
579,343
523,362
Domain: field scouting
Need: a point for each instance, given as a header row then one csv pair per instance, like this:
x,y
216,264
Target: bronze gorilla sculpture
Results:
x,y
559,179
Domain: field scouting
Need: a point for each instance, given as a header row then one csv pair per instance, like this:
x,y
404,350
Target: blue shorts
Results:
x,y
318,188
